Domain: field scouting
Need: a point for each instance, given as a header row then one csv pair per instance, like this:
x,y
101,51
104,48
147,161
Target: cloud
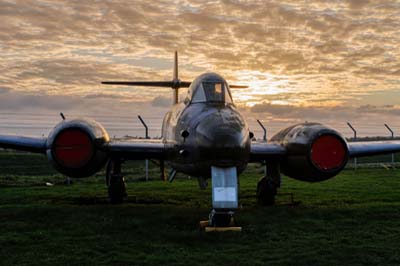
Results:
x,y
103,96
93,105
161,101
11,100
319,51
356,4
317,113
303,112
4,89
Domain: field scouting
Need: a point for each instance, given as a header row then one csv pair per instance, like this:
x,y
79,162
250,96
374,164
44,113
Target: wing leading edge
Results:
x,y
155,149
261,151
370,148
137,149
264,151
22,143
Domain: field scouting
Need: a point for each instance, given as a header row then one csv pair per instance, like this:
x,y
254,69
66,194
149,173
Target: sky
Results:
x,y
324,61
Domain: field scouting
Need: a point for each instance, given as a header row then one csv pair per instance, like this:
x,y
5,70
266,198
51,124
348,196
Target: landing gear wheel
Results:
x,y
266,192
221,218
115,182
117,190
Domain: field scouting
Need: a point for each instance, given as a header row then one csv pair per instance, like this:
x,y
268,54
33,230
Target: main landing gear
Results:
x,y
115,181
267,186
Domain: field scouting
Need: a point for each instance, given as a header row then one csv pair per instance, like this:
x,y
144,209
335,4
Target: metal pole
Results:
x,y
68,178
392,134
354,131
147,136
355,137
264,129
145,127
265,140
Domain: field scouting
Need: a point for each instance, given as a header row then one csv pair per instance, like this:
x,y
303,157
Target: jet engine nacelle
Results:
x,y
314,152
76,148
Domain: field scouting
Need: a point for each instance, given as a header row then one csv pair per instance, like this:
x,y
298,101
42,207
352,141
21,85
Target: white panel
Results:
x,y
225,194
224,187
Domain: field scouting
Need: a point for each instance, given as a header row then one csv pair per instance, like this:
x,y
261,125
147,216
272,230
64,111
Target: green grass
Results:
x,y
353,219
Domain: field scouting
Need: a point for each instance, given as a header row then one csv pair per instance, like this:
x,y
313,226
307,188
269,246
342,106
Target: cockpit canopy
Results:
x,y
209,88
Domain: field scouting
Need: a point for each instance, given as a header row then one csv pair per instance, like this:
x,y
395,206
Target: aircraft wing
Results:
x,y
369,148
155,149
137,149
22,143
134,149
263,151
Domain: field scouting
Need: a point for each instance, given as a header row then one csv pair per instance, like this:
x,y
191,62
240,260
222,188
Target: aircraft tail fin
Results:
x,y
175,77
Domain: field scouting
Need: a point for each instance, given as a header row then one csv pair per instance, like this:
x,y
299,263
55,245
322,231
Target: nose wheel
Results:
x,y
267,186
115,182
221,218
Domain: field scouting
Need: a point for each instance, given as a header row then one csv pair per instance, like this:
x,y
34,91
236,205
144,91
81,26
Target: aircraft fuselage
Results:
x,y
205,134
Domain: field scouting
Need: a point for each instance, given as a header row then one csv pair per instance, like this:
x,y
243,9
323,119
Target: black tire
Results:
x,y
117,191
221,220
109,168
116,185
266,192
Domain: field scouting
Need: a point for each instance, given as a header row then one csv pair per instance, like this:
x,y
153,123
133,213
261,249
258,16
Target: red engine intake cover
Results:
x,y
328,152
73,148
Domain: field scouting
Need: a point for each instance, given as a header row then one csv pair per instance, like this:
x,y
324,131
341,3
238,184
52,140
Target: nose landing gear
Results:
x,y
221,218
225,199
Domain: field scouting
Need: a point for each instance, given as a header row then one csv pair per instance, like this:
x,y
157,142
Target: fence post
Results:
x,y
264,129
392,135
265,140
147,136
355,137
68,181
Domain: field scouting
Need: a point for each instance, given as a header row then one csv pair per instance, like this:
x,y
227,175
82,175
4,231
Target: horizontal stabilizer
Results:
x,y
238,86
170,84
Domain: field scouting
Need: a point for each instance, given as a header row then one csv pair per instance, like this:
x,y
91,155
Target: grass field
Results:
x,y
353,219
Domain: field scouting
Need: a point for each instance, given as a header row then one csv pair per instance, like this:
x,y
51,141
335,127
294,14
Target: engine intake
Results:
x,y
76,147
314,152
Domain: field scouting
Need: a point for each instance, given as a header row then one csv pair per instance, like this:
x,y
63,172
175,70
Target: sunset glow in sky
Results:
x,y
303,60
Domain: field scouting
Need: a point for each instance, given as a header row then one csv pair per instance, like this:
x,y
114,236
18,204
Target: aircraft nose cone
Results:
x,y
223,136
219,135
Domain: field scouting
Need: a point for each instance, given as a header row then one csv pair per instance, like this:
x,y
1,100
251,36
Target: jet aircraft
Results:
x,y
203,136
